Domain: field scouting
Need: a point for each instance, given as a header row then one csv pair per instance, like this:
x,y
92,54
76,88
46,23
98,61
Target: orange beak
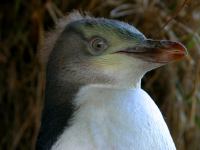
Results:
x,y
163,51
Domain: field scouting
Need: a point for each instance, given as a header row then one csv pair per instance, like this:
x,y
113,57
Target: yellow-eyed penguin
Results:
x,y
93,97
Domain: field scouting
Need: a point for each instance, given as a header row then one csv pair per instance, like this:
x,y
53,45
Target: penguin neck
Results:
x,y
59,107
57,112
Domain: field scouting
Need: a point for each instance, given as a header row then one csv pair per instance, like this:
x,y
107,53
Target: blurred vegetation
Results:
x,y
175,87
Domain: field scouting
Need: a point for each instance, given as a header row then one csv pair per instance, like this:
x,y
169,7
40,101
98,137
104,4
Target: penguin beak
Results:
x,y
162,51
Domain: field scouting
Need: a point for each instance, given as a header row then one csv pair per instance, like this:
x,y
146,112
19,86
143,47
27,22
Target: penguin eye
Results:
x,y
98,45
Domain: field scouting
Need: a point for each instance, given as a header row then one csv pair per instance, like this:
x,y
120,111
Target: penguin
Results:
x,y
93,95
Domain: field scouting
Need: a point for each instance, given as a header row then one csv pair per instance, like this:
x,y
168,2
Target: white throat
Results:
x,y
115,119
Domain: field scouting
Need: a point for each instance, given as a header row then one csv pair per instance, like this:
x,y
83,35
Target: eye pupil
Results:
x,y
99,44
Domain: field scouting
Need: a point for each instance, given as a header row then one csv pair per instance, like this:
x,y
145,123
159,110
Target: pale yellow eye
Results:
x,y
98,45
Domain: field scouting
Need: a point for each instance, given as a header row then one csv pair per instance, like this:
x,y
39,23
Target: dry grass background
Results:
x,y
175,88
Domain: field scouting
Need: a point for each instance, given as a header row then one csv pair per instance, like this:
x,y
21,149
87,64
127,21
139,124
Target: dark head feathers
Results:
x,y
51,37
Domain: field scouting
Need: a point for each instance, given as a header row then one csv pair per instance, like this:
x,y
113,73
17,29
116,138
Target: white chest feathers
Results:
x,y
115,119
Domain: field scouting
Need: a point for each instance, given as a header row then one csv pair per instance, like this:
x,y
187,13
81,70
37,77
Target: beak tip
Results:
x,y
175,46
166,50
181,47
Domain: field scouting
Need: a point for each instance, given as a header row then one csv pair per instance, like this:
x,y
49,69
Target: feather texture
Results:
x,y
115,119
